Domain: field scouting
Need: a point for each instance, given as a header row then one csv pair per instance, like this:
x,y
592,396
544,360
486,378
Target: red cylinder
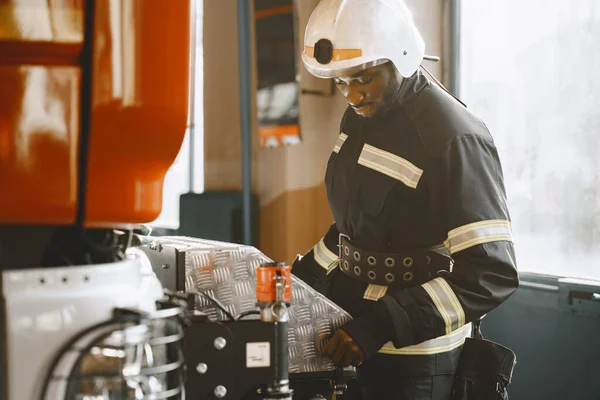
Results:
x,y
266,278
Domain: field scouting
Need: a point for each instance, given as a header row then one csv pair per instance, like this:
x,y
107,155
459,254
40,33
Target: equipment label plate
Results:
x,y
258,355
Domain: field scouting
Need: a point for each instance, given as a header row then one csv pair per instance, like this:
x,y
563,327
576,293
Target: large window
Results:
x,y
531,70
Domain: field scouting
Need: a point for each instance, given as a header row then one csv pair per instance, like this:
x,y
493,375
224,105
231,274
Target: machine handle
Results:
x,y
582,295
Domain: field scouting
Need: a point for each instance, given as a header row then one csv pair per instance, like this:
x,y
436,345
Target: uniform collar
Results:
x,y
411,86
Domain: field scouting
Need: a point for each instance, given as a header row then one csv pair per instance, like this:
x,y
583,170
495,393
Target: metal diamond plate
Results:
x,y
227,272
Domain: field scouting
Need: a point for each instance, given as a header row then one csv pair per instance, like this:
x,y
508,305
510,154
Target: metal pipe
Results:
x,y
455,6
85,117
243,8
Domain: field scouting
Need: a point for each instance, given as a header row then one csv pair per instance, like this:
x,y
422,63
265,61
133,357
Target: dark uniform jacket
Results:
x,y
424,174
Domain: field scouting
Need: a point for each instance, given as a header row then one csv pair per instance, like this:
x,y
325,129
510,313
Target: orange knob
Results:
x,y
266,279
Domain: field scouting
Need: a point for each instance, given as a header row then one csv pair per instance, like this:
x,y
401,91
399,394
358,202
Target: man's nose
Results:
x,y
354,96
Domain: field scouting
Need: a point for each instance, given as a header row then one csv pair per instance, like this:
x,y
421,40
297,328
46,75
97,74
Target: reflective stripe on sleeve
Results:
x,y
340,142
375,292
476,233
325,257
391,165
446,303
438,345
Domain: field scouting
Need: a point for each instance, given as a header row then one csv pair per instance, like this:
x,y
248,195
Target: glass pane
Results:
x,y
530,70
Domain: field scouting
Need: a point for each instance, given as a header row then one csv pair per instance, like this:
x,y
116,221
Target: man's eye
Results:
x,y
363,80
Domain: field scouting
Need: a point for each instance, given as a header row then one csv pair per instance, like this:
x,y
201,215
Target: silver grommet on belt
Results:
x,y
346,265
357,270
407,262
372,261
390,277
346,250
408,276
390,262
428,259
357,256
372,275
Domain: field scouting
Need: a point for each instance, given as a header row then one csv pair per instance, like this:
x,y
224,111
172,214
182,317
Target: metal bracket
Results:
x,y
339,385
168,264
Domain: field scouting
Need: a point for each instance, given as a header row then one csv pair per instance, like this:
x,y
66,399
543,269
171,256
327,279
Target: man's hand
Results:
x,y
343,351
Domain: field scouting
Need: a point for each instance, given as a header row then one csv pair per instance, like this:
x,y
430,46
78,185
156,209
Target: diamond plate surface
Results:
x,y
228,272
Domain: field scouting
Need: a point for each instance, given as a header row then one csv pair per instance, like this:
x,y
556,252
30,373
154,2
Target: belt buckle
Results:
x,y
340,251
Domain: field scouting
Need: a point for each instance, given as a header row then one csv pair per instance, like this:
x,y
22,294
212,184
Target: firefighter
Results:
x,y
421,245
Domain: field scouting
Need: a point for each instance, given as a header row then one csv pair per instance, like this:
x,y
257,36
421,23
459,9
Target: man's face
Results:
x,y
371,90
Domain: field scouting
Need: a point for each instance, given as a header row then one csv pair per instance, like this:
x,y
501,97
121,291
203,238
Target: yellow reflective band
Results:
x,y
391,165
336,54
340,142
325,257
446,303
375,292
438,345
476,233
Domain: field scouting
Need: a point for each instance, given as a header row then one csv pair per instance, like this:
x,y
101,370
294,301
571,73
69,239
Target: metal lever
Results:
x,y
339,385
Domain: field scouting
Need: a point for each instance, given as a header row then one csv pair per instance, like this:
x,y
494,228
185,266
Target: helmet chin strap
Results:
x,y
442,86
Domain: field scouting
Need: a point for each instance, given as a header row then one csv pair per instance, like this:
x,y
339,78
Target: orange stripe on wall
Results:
x,y
278,131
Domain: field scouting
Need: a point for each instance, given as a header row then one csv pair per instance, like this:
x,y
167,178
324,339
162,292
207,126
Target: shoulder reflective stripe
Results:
x,y
446,303
375,292
476,233
390,165
438,345
340,142
325,257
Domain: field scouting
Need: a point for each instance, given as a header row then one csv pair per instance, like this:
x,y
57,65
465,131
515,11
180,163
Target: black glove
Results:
x,y
343,351
370,332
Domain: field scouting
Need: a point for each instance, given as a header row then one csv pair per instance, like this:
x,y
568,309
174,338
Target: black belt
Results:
x,y
406,269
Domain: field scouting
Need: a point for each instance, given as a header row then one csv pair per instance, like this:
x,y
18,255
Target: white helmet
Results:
x,y
346,35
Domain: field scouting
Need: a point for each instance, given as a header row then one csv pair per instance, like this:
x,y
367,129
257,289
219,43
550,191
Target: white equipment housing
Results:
x,y
46,307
